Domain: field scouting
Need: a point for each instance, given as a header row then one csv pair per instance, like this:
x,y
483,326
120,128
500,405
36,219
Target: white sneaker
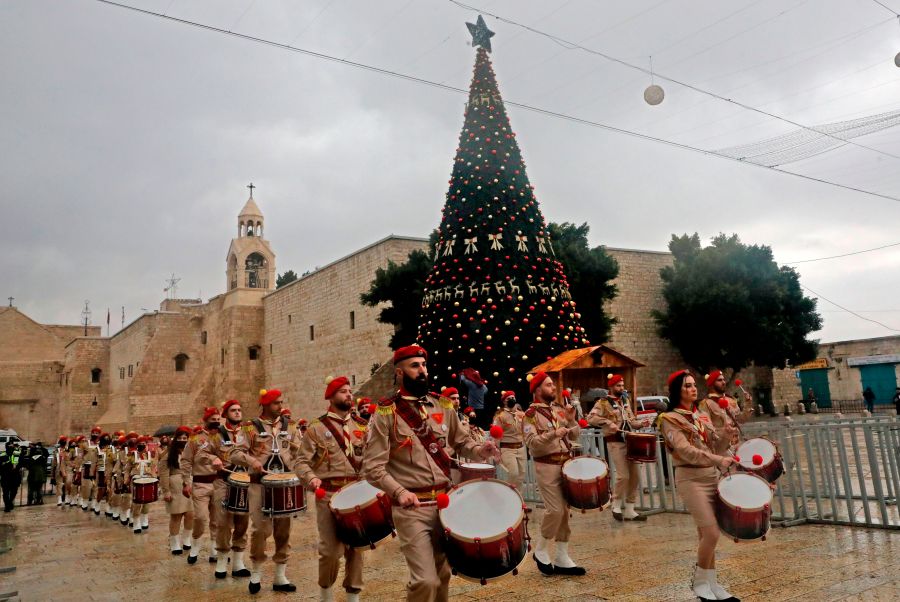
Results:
x,y
700,584
720,592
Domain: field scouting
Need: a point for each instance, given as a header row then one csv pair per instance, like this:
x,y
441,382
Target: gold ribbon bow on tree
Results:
x,y
523,239
496,245
470,245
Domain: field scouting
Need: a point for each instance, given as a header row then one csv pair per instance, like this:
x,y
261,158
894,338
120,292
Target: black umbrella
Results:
x,y
167,430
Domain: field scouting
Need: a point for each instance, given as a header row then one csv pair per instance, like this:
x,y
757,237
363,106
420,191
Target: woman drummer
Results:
x,y
179,507
690,437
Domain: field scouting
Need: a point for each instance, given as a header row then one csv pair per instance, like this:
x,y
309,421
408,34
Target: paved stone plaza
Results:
x,y
71,555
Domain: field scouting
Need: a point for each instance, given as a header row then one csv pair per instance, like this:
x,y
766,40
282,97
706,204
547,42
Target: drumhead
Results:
x,y
239,477
751,447
353,495
144,480
585,468
476,466
482,509
745,491
280,478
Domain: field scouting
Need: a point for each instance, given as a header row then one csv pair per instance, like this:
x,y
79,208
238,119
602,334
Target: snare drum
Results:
x,y
585,483
743,506
144,490
101,479
362,515
86,470
283,494
485,530
470,471
771,467
238,500
640,447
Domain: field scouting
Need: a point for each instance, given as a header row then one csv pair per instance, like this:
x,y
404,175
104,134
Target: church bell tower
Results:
x,y
250,260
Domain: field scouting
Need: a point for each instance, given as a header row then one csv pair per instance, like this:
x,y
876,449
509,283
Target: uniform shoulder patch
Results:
x,y
386,405
530,412
445,402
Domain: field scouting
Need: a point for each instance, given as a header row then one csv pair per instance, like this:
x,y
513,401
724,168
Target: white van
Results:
x,y
8,436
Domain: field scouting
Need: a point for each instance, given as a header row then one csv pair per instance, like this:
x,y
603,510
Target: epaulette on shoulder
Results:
x,y
445,402
530,412
360,420
386,405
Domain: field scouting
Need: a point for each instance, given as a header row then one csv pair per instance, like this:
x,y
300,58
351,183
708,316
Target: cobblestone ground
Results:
x,y
67,554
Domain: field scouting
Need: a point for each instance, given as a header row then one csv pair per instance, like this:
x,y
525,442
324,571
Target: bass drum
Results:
x,y
485,530
744,506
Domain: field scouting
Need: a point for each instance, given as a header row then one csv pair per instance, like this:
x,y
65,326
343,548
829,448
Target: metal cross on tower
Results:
x,y
251,187
86,315
172,286
10,300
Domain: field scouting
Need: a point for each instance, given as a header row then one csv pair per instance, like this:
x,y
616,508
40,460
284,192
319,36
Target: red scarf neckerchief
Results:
x,y
409,411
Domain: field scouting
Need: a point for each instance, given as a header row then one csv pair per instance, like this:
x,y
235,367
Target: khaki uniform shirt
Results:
x,y
395,459
197,458
511,423
610,412
251,443
320,454
221,447
138,464
540,433
720,418
685,441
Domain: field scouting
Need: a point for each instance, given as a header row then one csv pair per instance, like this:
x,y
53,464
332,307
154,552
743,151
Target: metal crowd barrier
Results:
x,y
838,471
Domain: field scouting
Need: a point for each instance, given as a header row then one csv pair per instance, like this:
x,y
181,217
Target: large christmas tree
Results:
x,y
496,299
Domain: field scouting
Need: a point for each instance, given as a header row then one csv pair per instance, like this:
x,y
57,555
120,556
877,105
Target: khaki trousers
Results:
x,y
555,522
420,541
231,529
627,480
330,551
204,510
138,509
513,462
87,489
263,527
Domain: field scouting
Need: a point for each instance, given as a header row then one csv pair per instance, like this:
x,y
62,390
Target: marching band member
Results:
x,y
611,415
76,455
550,431
58,469
330,456
721,409
690,437
128,449
199,472
102,471
88,464
253,450
512,444
406,457
362,408
141,463
231,528
115,481
178,507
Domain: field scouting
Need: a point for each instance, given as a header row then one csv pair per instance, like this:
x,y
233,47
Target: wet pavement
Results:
x,y
67,554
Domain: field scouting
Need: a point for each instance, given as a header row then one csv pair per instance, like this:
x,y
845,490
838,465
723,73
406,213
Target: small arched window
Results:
x,y
180,362
253,352
95,375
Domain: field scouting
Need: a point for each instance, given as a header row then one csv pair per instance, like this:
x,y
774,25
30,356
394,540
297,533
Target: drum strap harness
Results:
x,y
410,415
341,437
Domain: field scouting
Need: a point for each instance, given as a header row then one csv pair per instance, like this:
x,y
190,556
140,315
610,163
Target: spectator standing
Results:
x,y
869,396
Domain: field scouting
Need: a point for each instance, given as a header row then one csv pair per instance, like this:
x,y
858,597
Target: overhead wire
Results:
x,y
446,87
850,311
893,244
886,7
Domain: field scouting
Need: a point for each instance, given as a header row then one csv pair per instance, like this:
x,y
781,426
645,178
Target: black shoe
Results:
x,y
639,518
137,531
617,516
109,515
145,528
184,547
213,560
221,575
576,571
254,587
546,569
192,559
177,552
241,573
97,512
284,587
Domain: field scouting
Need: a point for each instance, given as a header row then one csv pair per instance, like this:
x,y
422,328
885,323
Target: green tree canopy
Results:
x,y
285,278
730,305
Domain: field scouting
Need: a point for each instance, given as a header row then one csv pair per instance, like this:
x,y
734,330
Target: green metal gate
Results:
x,y
817,379
882,378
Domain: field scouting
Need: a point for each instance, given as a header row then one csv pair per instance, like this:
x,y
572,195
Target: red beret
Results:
x,y
198,429
506,395
301,422
143,439
267,397
614,379
121,439
96,430
712,377
675,375
229,403
79,439
448,391
334,384
131,435
468,410
404,353
363,402
209,412
536,380
183,430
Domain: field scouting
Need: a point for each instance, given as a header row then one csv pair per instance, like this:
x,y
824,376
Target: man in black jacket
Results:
x,y
10,475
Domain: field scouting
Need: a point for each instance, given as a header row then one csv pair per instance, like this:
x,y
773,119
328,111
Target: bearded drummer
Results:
x,y
199,472
330,457
722,409
512,444
691,438
253,449
231,527
550,432
611,414
406,456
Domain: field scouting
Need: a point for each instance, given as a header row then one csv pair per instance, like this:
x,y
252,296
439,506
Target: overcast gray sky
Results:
x,y
128,140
